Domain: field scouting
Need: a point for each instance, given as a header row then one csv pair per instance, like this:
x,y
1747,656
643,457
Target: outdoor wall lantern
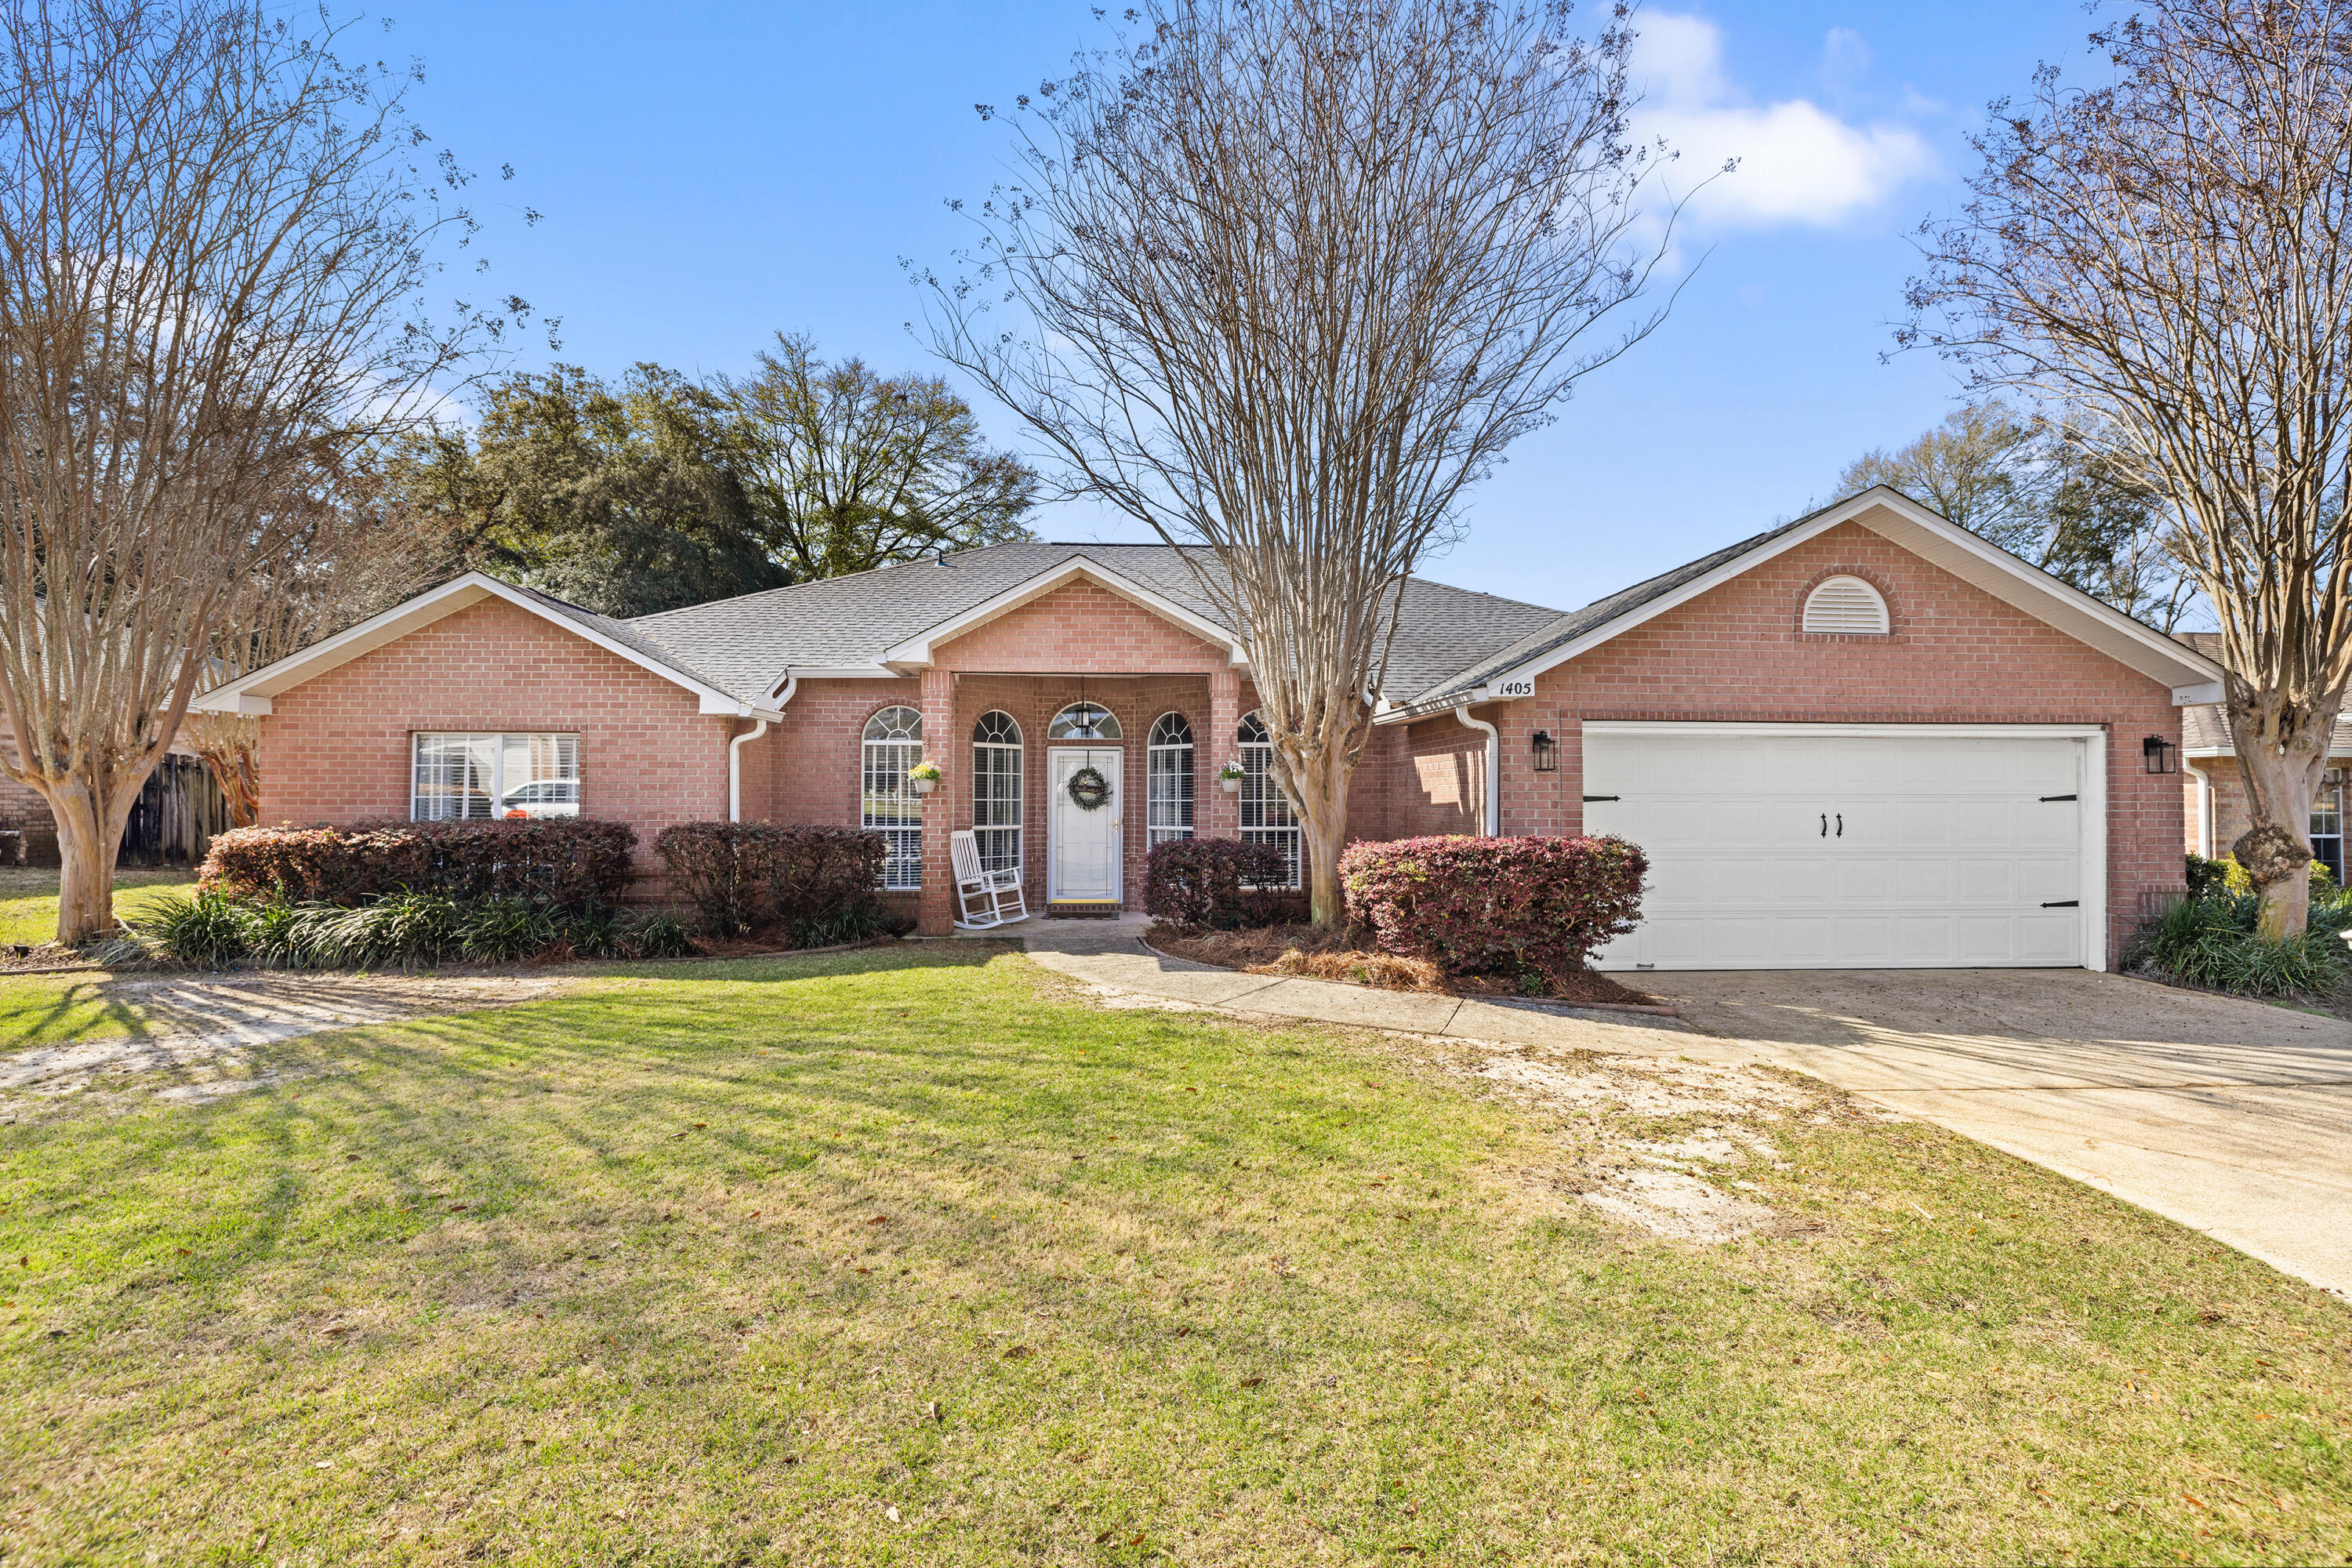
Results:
x,y
2163,756
2334,778
1547,753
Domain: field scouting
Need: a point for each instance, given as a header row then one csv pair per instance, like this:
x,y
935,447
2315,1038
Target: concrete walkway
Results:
x,y
2233,1118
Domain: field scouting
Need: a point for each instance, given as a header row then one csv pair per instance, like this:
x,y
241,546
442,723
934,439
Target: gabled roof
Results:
x,y
252,694
2193,676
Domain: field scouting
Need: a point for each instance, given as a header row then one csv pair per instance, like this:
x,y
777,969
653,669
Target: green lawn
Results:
x,y
28,899
913,1256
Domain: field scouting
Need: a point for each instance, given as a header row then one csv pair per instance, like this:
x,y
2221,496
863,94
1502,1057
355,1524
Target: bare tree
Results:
x,y
1284,279
2172,253
346,560
214,239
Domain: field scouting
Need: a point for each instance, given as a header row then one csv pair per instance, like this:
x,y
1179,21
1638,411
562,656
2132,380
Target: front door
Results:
x,y
1084,862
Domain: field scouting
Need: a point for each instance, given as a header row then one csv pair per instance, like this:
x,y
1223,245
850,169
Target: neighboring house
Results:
x,y
179,809
2215,810
1866,738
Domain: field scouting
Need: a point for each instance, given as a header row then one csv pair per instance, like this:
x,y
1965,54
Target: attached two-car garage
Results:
x,y
1855,845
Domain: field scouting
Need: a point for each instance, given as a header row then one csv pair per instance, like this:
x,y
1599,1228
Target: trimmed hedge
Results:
x,y
1495,906
555,862
1209,882
817,884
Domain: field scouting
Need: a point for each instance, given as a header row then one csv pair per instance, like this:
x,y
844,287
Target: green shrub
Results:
x,y
2211,941
660,935
504,930
208,930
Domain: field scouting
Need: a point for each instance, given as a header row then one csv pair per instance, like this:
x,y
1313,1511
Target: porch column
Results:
x,y
935,914
1215,813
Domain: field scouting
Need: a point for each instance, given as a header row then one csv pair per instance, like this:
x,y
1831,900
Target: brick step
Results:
x,y
1087,909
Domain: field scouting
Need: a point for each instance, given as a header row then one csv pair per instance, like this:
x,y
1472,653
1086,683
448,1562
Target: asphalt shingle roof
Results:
x,y
747,643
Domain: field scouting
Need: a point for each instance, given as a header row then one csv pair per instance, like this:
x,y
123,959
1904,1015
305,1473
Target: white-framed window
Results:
x,y
1083,721
2328,830
1266,816
1846,605
889,805
461,777
1168,774
996,791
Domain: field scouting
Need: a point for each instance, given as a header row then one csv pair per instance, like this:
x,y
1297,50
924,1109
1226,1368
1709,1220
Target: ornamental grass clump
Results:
x,y
1525,909
2213,941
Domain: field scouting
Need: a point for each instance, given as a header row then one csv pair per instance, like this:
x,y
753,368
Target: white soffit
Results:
x,y
918,651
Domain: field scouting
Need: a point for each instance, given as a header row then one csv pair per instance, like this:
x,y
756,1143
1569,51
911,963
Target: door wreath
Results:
x,y
1089,789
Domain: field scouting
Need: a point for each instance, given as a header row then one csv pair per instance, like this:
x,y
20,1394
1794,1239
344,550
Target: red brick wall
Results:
x,y
1956,655
23,810
1080,626
338,748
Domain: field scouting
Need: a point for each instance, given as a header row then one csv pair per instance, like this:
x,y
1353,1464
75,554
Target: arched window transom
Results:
x,y
1845,605
1083,721
996,791
888,804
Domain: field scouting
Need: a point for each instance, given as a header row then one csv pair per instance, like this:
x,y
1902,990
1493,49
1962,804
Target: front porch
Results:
x,y
1072,778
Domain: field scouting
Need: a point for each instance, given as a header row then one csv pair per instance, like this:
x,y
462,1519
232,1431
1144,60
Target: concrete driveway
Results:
x,y
2232,1116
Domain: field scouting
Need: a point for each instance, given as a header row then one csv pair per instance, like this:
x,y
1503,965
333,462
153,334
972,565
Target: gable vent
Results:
x,y
1845,605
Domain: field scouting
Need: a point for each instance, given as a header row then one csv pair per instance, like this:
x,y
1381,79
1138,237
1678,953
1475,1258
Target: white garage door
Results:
x,y
1905,846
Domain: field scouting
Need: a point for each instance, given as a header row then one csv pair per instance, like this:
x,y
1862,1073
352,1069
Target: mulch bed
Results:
x,y
1318,953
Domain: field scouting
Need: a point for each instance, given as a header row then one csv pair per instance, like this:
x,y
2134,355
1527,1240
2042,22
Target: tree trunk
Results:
x,y
1319,795
2282,751
234,769
89,832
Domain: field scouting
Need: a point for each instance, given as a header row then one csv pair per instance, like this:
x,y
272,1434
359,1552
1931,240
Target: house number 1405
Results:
x,y
1513,689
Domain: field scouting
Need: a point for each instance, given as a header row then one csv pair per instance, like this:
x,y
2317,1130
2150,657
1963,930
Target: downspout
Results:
x,y
735,753
1492,817
2204,808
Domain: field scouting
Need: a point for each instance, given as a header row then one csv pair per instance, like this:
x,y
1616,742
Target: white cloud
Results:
x,y
1797,161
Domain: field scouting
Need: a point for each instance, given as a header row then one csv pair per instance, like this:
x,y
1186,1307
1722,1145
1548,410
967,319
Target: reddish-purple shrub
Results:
x,y
1495,906
559,862
756,876
1221,883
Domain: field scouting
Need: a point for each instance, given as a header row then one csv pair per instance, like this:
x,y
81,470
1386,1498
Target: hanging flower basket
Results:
x,y
925,776
1230,775
1088,790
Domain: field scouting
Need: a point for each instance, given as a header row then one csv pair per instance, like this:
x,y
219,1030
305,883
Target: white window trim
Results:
x,y
498,739
983,831
1155,833
1269,788
906,752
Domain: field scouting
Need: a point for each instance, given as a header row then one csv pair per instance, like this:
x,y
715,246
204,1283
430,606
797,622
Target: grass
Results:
x,y
912,1256
28,899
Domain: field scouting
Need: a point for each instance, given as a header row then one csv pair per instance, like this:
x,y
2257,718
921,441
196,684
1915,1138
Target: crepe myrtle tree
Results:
x,y
1281,280
215,238
2170,253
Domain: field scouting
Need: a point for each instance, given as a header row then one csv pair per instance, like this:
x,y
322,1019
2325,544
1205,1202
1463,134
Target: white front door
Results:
x,y
1810,848
1084,862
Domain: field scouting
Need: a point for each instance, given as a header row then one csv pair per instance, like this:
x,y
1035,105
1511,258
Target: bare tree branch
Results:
x,y
1283,281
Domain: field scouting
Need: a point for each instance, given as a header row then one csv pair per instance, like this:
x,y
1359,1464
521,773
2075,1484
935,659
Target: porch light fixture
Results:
x,y
1547,753
2163,756
2334,778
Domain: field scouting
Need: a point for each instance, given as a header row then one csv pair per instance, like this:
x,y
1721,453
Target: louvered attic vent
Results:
x,y
1846,605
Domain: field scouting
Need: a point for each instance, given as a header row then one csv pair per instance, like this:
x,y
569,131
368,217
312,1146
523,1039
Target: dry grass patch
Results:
x,y
1323,952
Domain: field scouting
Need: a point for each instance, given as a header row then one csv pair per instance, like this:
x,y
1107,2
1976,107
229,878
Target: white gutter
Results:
x,y
2204,808
735,753
1492,817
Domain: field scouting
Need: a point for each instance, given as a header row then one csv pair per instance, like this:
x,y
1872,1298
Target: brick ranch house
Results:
x,y
1865,738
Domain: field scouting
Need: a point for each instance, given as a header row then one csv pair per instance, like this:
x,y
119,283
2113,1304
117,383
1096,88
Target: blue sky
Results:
x,y
710,173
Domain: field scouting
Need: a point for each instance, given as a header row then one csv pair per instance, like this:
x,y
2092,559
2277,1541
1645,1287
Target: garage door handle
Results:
x,y
1825,824
2063,904
1841,831
2047,798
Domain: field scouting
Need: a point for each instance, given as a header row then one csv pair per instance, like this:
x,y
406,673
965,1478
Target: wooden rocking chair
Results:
x,y
984,896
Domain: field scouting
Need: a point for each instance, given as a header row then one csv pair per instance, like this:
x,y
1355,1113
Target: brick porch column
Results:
x,y
1215,813
935,914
